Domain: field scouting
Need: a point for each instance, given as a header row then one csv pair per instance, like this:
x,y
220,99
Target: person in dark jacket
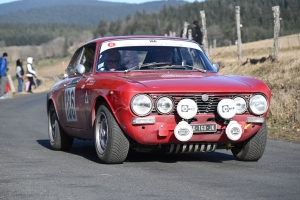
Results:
x,y
3,71
197,34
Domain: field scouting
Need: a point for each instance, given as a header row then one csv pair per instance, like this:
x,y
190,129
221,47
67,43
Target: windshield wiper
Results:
x,y
154,64
165,67
148,65
196,68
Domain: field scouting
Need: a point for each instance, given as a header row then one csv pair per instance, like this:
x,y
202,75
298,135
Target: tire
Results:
x,y
59,140
111,144
253,148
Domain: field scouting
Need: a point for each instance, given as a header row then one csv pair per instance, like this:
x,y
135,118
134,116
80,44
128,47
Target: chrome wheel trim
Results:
x,y
102,133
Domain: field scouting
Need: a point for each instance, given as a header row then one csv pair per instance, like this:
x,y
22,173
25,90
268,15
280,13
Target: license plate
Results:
x,y
200,128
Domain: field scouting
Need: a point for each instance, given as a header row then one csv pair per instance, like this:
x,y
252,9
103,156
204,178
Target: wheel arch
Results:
x,y
98,101
49,102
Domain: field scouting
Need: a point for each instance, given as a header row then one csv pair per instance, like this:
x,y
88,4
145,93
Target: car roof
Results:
x,y
103,39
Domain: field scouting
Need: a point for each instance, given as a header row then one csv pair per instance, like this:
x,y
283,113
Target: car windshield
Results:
x,y
174,55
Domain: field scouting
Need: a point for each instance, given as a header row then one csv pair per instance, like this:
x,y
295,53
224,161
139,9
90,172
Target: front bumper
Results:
x,y
161,131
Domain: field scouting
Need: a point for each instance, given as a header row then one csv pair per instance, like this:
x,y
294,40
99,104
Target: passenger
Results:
x,y
163,55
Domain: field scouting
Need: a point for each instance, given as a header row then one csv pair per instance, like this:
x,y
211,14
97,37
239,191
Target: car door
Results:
x,y
70,115
76,93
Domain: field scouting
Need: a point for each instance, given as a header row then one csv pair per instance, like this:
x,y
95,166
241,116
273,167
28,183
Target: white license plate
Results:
x,y
200,128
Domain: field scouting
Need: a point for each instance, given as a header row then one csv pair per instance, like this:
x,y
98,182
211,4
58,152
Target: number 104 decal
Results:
x,y
70,104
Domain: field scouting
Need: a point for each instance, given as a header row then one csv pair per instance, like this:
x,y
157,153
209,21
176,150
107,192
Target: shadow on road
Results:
x,y
86,149
215,157
82,148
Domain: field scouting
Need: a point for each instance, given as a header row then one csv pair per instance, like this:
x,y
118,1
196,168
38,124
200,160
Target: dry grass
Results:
x,y
282,76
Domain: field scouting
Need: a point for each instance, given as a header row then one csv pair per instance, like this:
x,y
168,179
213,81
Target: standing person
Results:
x,y
30,73
20,73
197,34
3,73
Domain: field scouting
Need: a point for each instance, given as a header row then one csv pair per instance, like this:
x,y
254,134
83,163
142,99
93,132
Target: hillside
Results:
x,y
82,12
47,20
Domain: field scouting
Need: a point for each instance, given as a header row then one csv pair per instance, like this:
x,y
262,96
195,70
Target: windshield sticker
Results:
x,y
70,104
100,65
180,75
111,44
148,42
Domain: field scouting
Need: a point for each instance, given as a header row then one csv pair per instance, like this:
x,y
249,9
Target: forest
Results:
x,y
256,18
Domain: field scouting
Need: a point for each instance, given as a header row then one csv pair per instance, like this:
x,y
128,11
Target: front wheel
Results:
x,y
59,140
110,142
253,148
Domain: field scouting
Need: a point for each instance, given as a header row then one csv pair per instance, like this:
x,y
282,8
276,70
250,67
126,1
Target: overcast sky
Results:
x,y
124,1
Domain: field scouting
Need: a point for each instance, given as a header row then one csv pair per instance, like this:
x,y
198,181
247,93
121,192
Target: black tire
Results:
x,y
111,144
59,140
253,148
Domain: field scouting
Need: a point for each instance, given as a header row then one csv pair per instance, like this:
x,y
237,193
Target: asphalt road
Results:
x,y
29,169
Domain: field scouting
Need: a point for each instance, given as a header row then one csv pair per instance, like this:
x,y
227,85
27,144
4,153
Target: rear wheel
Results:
x,y
110,142
59,140
253,148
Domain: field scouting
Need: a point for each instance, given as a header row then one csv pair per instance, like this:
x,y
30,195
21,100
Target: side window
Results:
x,y
70,71
88,57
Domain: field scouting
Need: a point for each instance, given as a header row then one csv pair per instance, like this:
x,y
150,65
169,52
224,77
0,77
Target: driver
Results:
x,y
112,59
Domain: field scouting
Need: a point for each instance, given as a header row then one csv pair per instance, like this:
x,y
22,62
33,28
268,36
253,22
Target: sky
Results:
x,y
123,1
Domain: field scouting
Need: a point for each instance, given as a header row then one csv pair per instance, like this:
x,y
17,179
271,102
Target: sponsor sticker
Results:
x,y
111,44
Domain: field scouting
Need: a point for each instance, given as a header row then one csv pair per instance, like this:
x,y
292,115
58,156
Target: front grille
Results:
x,y
209,106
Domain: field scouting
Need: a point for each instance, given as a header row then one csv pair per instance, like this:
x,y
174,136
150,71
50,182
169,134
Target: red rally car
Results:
x,y
146,92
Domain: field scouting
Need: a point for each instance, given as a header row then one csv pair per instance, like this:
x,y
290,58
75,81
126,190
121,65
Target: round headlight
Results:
x,y
240,104
164,105
258,104
141,104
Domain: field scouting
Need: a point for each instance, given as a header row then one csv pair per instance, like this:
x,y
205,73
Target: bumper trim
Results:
x,y
255,120
148,120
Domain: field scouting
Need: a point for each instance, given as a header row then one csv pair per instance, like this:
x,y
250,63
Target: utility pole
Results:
x,y
205,42
190,34
238,28
215,43
185,26
275,10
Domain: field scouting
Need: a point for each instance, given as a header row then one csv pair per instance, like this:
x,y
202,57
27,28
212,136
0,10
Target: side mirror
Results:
x,y
80,69
216,66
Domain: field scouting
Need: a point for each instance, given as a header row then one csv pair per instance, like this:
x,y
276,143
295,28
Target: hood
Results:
x,y
186,82
30,60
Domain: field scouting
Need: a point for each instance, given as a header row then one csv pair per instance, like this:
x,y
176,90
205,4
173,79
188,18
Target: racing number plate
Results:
x,y
200,128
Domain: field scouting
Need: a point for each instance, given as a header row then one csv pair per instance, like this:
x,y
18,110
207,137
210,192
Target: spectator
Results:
x,y
3,74
19,74
30,73
197,34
